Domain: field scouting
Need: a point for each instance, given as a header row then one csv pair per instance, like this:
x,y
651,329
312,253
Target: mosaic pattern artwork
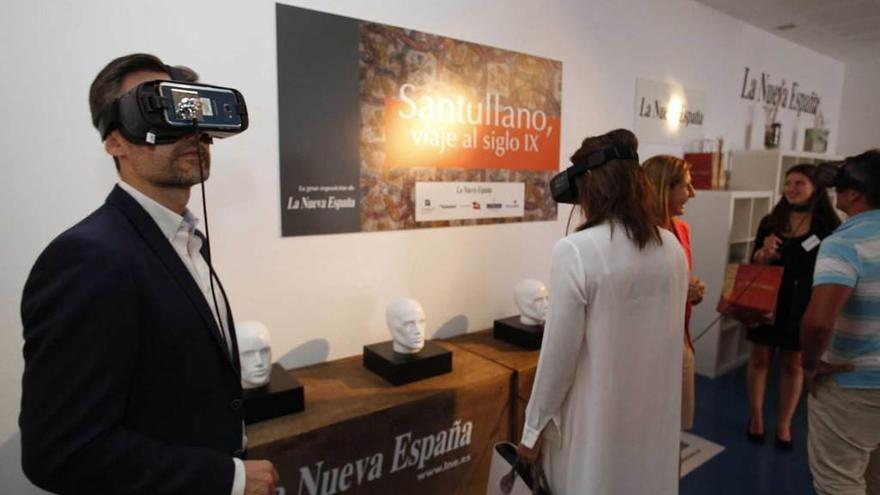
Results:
x,y
446,69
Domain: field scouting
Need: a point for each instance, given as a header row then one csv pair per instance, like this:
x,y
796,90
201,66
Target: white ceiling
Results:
x,y
842,29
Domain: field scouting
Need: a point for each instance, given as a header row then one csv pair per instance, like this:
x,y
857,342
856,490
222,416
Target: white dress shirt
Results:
x,y
181,233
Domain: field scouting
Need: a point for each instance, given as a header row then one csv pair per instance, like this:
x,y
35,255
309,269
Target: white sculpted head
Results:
x,y
532,300
255,353
406,322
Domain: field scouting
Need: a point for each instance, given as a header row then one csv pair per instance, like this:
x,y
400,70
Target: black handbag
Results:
x,y
519,477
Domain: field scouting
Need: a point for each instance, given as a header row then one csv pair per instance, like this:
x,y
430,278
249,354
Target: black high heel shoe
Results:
x,y
756,438
786,445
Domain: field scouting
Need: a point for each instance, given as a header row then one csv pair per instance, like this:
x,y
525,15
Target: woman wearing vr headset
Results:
x,y
787,237
671,177
604,411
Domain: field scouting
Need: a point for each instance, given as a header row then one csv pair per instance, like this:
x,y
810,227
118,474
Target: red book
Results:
x,y
702,166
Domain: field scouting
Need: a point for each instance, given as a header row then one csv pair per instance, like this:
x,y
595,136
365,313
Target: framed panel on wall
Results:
x,y
386,128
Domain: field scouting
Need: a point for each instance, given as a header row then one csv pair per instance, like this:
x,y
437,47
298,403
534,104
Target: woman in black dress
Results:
x,y
789,237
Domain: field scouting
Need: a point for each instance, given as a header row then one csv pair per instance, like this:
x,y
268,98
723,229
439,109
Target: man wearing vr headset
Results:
x,y
840,336
132,380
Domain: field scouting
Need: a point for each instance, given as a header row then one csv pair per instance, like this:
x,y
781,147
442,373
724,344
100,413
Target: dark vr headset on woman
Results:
x,y
563,185
161,112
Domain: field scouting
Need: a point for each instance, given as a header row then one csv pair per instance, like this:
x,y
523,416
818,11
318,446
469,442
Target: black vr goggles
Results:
x,y
161,112
839,176
563,185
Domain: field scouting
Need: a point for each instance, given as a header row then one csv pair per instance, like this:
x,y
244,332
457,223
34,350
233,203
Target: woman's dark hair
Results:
x,y
824,219
618,190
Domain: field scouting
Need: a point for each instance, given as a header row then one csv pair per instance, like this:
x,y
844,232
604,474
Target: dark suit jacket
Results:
x,y
127,386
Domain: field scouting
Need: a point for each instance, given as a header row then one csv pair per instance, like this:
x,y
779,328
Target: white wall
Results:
x,y
323,297
860,109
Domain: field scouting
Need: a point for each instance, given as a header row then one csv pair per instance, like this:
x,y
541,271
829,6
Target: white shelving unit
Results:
x,y
757,170
723,226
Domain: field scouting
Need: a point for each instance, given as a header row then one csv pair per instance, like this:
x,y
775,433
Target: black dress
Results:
x,y
794,293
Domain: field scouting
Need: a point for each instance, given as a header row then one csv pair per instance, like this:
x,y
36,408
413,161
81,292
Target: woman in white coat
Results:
x,y
604,414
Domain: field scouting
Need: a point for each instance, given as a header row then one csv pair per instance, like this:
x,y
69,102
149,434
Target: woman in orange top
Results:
x,y
671,177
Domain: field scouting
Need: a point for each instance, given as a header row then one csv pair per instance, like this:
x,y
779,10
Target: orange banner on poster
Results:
x,y
413,141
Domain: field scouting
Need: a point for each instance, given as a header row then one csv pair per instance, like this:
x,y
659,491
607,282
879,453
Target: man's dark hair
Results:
x,y
107,85
866,168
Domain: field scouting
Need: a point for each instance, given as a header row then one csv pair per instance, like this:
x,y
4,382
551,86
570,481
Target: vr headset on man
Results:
x,y
843,175
162,112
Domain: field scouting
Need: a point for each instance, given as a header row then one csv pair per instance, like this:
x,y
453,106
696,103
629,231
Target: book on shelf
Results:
x,y
705,169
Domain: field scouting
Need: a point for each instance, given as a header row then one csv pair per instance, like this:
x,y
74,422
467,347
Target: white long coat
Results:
x,y
608,384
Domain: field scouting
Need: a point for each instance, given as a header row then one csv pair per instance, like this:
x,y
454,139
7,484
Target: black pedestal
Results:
x,y
282,395
518,333
399,369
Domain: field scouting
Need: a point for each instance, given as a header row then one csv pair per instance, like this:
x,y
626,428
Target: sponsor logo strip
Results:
x,y
439,201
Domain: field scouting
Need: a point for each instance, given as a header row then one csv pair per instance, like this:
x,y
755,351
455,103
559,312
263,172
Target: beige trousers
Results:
x,y
844,440
687,388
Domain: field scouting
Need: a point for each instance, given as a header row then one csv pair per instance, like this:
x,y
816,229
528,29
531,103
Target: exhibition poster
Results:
x,y
387,128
